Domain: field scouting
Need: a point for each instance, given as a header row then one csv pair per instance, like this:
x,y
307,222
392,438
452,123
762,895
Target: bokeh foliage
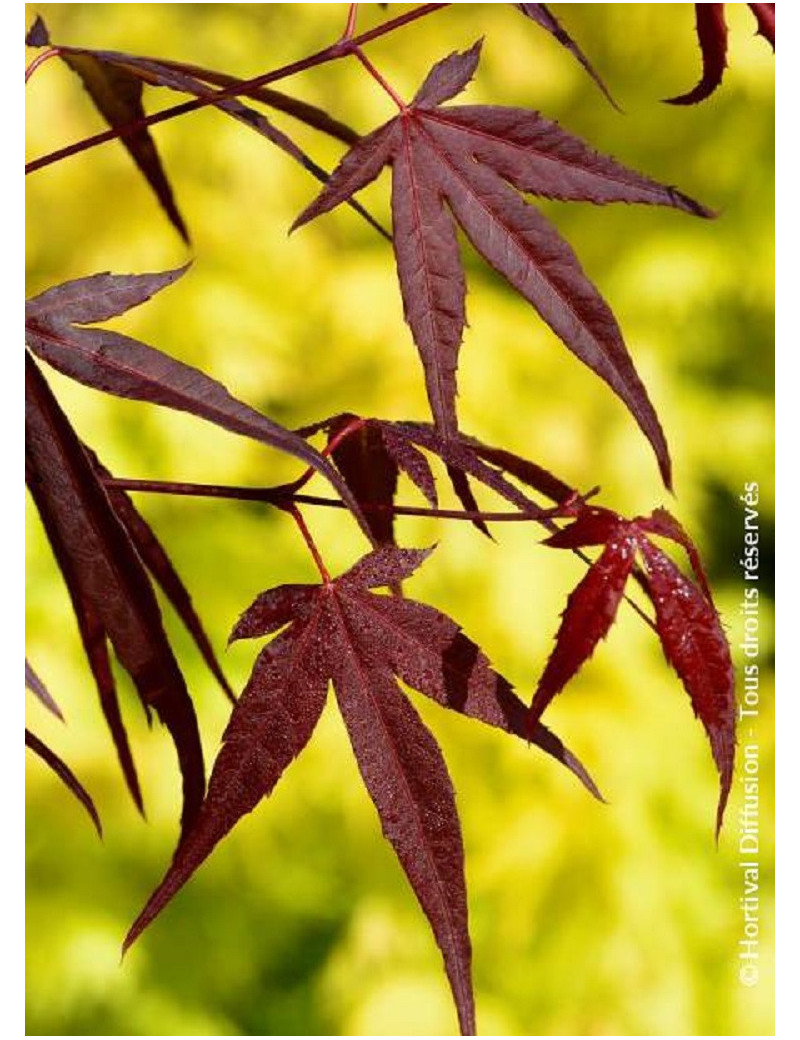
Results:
x,y
587,919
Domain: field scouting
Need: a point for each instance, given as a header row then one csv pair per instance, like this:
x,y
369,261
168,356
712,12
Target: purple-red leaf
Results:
x,y
661,522
765,17
712,34
157,561
274,609
361,641
125,367
106,574
524,470
590,612
306,113
405,774
65,774
430,653
686,621
370,472
117,95
457,162
40,691
696,647
271,724
543,16
93,638
448,77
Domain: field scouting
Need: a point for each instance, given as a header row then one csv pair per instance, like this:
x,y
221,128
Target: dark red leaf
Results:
x,y
370,472
712,34
543,16
661,522
157,561
99,297
590,612
309,114
342,631
412,462
457,162
448,77
108,575
127,368
384,567
696,647
592,526
65,774
93,638
274,609
458,454
40,691
430,653
362,164
405,774
461,486
271,724
173,76
117,95
765,17
524,470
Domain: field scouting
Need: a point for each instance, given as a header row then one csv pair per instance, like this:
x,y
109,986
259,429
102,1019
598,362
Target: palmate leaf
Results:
x,y
122,366
106,578
363,642
686,621
462,164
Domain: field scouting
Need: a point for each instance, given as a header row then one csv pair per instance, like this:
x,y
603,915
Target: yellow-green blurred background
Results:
x,y
587,919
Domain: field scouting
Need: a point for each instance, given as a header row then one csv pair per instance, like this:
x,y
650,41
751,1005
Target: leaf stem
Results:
x,y
358,53
297,516
40,59
340,49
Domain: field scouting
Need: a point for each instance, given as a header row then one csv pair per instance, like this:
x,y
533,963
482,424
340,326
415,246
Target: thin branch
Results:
x,y
283,498
340,49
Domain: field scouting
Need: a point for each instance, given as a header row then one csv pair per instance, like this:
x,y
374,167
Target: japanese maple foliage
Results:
x,y
452,166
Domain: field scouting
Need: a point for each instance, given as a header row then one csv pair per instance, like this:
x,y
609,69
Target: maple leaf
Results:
x,y
65,774
458,164
125,367
363,642
712,35
686,622
542,15
108,584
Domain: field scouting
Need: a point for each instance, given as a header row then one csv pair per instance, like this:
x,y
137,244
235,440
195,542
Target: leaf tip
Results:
x,y
37,35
